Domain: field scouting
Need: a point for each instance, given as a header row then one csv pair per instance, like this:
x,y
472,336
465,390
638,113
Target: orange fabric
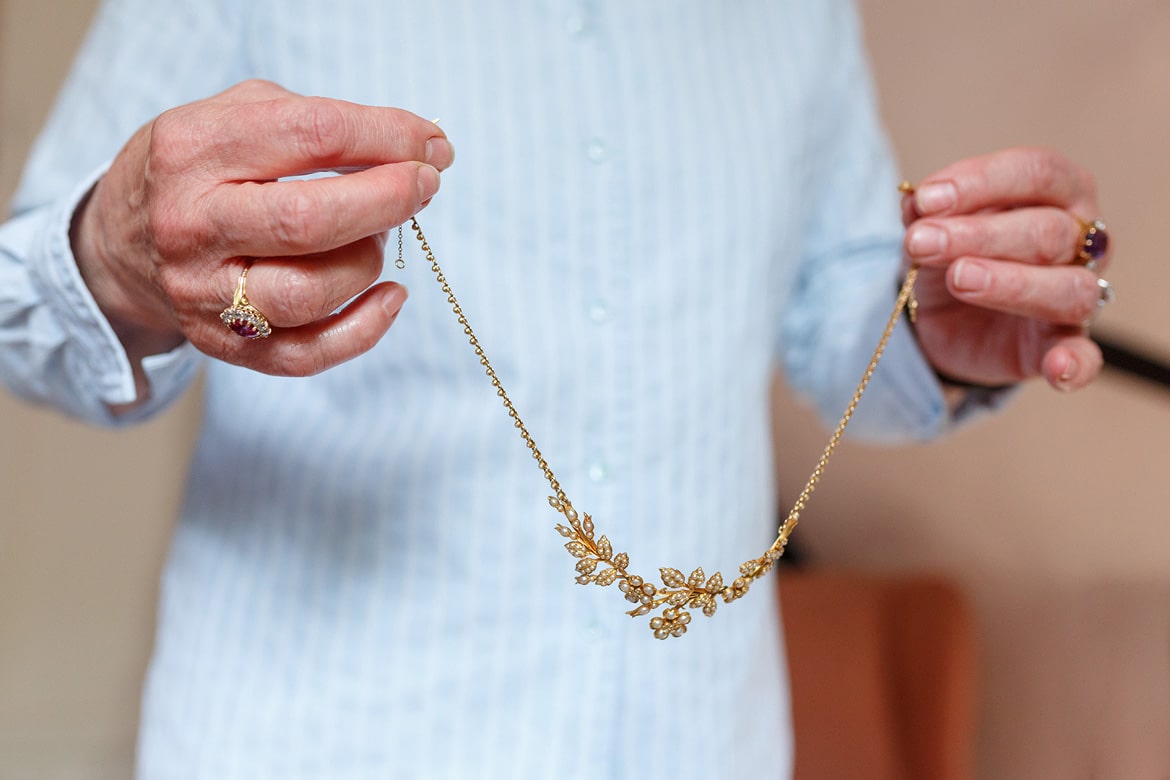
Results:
x,y
883,676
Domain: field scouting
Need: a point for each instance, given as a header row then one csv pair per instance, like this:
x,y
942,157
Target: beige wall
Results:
x,y
81,535
1053,515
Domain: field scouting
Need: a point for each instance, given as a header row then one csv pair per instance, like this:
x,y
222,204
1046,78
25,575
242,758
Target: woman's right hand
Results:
x,y
197,195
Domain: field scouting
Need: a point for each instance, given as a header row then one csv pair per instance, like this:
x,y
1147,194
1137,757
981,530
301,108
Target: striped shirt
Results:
x,y
654,205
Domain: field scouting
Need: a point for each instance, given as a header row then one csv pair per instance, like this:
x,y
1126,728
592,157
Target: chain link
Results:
x,y
487,366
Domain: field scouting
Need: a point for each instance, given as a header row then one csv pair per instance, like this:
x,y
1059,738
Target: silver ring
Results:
x,y
1105,291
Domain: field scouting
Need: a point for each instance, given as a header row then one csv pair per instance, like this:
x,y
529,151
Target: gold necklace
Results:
x,y
598,564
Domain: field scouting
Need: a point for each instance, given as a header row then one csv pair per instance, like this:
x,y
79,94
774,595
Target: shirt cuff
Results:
x,y
99,360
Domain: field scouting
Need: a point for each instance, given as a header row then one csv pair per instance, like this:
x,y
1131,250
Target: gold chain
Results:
x,y
596,561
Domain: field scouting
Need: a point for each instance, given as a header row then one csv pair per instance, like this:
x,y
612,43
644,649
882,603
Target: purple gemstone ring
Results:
x,y
1093,245
242,317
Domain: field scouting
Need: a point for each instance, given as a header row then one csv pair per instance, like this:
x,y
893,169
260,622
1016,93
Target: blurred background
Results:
x,y
1051,518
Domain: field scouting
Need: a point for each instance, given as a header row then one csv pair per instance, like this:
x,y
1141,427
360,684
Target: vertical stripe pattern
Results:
x,y
653,202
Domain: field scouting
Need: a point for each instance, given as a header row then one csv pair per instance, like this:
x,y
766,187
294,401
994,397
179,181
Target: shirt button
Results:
x,y
595,150
575,24
598,312
597,471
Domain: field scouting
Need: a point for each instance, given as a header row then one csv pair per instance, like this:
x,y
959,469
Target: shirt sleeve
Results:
x,y
139,58
850,267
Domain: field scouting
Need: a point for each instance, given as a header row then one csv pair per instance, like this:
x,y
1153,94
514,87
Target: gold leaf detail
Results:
x,y
749,568
565,531
604,548
672,578
621,561
715,584
680,598
697,578
577,549
587,565
606,577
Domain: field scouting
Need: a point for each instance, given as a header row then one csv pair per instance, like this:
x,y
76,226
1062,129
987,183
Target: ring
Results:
x,y
1106,293
242,317
1094,242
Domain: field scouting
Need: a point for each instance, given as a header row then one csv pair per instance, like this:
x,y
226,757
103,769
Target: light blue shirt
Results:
x,y
654,204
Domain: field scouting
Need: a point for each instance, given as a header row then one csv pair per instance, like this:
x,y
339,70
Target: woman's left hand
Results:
x,y
1004,293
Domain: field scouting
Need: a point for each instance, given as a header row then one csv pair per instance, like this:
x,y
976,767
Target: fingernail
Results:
x,y
936,198
970,276
1070,370
393,300
439,152
926,240
428,182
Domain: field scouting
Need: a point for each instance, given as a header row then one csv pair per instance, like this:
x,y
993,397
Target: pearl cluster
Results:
x,y
598,565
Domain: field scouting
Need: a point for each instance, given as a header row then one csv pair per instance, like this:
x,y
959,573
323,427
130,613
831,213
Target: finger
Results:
x,y
298,217
1071,362
294,291
296,135
909,211
1063,295
1023,176
1038,236
313,348
261,131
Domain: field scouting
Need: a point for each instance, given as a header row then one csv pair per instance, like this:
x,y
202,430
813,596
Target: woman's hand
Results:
x,y
1002,293
197,195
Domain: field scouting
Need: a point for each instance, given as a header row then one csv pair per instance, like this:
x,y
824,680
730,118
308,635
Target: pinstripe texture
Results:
x,y
653,203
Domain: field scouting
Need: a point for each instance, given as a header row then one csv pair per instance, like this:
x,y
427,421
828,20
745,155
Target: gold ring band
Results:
x,y
1094,242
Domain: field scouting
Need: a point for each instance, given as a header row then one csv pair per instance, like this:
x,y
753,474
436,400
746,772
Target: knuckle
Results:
x,y
1050,239
169,232
179,138
320,130
1012,286
294,223
297,297
172,230
169,142
1083,296
1043,171
300,359
254,87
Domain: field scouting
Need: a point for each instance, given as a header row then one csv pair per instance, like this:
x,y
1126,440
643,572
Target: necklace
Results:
x,y
598,563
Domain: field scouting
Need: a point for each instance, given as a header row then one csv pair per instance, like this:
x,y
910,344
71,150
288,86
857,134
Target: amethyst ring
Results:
x,y
1093,244
243,318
